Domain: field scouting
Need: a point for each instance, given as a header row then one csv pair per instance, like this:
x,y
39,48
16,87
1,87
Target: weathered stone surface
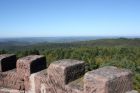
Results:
x,y
36,81
8,90
30,64
76,86
62,72
108,80
66,70
133,91
7,62
10,79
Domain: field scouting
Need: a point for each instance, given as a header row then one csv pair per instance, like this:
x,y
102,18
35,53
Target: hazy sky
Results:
x,y
25,18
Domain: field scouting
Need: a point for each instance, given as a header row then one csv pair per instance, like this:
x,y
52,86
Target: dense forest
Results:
x,y
123,53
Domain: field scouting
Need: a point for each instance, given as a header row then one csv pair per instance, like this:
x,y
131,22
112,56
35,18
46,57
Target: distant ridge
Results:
x,y
33,40
17,45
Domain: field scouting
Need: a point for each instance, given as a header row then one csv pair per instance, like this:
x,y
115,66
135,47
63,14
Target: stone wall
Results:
x,y
30,75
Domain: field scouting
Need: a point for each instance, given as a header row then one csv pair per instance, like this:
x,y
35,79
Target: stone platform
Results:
x,y
63,76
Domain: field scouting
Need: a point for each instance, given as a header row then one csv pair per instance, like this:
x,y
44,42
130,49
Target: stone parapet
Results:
x,y
62,76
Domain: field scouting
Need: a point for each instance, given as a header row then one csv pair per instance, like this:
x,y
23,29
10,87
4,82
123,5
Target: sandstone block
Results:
x,y
108,80
65,71
8,90
30,64
133,91
7,62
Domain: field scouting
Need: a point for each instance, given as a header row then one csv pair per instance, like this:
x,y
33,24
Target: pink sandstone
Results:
x,y
64,76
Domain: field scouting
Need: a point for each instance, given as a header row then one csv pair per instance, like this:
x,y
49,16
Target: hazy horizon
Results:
x,y
70,36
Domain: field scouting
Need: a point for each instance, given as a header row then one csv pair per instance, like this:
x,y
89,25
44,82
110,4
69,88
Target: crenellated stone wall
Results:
x,y
30,75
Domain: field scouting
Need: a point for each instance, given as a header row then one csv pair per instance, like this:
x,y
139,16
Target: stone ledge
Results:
x,y
76,86
65,63
8,90
133,91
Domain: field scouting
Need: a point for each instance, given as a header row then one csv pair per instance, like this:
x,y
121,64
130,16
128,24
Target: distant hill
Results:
x,y
17,45
93,43
34,40
112,42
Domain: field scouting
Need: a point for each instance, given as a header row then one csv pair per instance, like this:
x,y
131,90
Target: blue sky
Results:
x,y
36,18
